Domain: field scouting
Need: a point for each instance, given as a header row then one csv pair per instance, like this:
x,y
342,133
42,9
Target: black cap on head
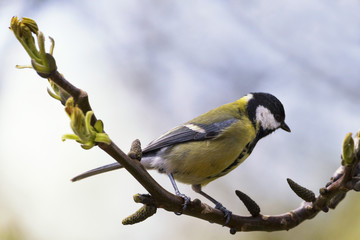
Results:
x,y
270,103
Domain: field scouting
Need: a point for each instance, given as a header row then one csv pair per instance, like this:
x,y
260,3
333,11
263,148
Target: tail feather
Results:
x,y
96,171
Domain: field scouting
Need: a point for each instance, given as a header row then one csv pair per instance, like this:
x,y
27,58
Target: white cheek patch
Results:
x,y
248,97
266,118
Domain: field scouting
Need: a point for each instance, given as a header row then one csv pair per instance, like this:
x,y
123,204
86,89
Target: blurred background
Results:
x,y
150,65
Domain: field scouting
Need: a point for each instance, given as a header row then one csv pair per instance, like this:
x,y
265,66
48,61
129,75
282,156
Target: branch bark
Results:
x,y
345,179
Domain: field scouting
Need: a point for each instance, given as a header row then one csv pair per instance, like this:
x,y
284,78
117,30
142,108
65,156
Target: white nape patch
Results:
x,y
248,97
155,162
266,118
195,128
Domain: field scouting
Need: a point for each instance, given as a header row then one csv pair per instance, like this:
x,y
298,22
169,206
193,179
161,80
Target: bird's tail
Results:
x,y
96,171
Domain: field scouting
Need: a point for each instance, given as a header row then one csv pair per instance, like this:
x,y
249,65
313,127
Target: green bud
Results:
x,y
46,67
59,93
99,126
84,132
42,62
348,149
23,31
31,24
78,124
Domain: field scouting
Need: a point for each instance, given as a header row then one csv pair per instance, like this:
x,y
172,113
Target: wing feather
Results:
x,y
189,132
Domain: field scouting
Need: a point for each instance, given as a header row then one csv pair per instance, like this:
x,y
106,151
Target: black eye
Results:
x,y
278,117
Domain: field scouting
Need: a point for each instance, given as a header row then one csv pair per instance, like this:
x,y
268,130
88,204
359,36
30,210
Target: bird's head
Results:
x,y
266,113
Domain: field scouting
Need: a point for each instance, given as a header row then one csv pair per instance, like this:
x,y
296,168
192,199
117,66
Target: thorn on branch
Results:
x,y
302,192
250,204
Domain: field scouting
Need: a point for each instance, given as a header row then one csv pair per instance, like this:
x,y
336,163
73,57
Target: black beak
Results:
x,y
285,127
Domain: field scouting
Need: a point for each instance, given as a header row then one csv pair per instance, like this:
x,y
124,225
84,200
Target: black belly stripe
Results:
x,y
237,161
246,151
234,164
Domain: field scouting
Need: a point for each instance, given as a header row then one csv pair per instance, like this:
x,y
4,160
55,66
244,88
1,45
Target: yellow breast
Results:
x,y
203,161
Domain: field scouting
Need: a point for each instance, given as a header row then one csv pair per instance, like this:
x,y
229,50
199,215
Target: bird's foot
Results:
x,y
227,213
185,204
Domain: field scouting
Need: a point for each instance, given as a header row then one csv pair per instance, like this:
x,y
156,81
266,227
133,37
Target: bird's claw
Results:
x,y
185,204
227,213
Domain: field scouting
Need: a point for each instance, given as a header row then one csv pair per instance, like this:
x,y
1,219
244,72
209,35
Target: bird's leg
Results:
x,y
227,213
178,193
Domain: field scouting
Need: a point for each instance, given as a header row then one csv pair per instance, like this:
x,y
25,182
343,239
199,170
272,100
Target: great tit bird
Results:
x,y
211,145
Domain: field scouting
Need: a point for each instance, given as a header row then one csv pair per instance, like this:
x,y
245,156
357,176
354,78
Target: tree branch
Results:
x,y
89,131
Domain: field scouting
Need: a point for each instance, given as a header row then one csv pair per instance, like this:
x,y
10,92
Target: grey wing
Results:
x,y
189,132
